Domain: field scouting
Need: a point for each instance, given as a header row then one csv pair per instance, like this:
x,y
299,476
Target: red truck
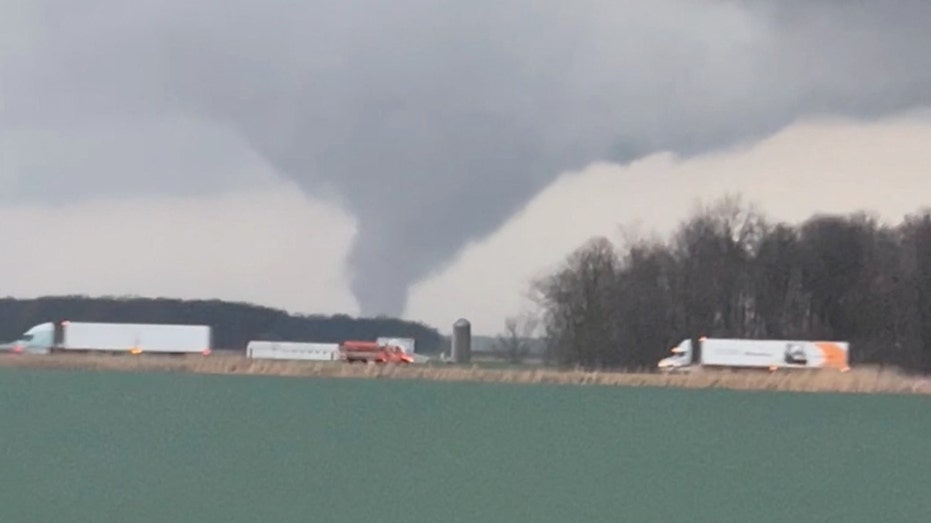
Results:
x,y
371,351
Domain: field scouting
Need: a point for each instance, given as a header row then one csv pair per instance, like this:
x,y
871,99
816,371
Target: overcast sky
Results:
x,y
329,155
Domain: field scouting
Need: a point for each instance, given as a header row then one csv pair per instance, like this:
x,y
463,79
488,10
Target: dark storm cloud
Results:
x,y
435,121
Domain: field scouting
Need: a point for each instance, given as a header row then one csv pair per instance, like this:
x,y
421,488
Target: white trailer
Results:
x,y
758,354
133,338
292,350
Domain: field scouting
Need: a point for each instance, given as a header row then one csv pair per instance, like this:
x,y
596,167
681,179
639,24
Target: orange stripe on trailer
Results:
x,y
834,355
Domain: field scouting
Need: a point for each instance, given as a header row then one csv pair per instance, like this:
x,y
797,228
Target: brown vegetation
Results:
x,y
860,380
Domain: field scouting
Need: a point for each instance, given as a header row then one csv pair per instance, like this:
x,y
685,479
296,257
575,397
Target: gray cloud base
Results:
x,y
432,121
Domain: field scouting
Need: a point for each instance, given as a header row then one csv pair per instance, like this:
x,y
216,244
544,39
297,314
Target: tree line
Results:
x,y
729,271
234,324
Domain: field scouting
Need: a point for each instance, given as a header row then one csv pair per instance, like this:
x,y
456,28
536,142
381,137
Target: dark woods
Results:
x,y
729,272
234,324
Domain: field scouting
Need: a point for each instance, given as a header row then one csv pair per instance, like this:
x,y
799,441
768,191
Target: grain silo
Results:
x,y
462,341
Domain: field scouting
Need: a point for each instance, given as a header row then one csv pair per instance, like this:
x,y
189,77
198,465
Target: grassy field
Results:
x,y
859,380
155,447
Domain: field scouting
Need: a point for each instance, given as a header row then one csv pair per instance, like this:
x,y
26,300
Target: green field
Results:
x,y
81,446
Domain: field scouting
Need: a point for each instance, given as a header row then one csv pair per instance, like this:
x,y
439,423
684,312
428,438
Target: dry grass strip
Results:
x,y
858,380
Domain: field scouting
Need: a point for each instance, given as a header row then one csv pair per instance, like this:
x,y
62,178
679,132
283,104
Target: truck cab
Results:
x,y
681,358
37,340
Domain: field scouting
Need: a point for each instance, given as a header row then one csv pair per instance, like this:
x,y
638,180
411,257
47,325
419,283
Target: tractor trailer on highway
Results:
x,y
131,338
756,354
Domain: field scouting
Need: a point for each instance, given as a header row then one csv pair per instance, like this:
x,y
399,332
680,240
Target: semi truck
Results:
x,y
292,350
122,338
373,351
768,355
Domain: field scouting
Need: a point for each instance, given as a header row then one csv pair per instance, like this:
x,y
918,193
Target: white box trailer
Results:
x,y
761,354
134,338
292,350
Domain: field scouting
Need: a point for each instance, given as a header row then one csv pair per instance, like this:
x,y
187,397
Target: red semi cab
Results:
x,y
370,351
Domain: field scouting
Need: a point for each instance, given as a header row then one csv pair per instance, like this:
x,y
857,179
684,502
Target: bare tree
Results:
x,y
646,312
715,249
579,307
514,343
916,258
781,306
